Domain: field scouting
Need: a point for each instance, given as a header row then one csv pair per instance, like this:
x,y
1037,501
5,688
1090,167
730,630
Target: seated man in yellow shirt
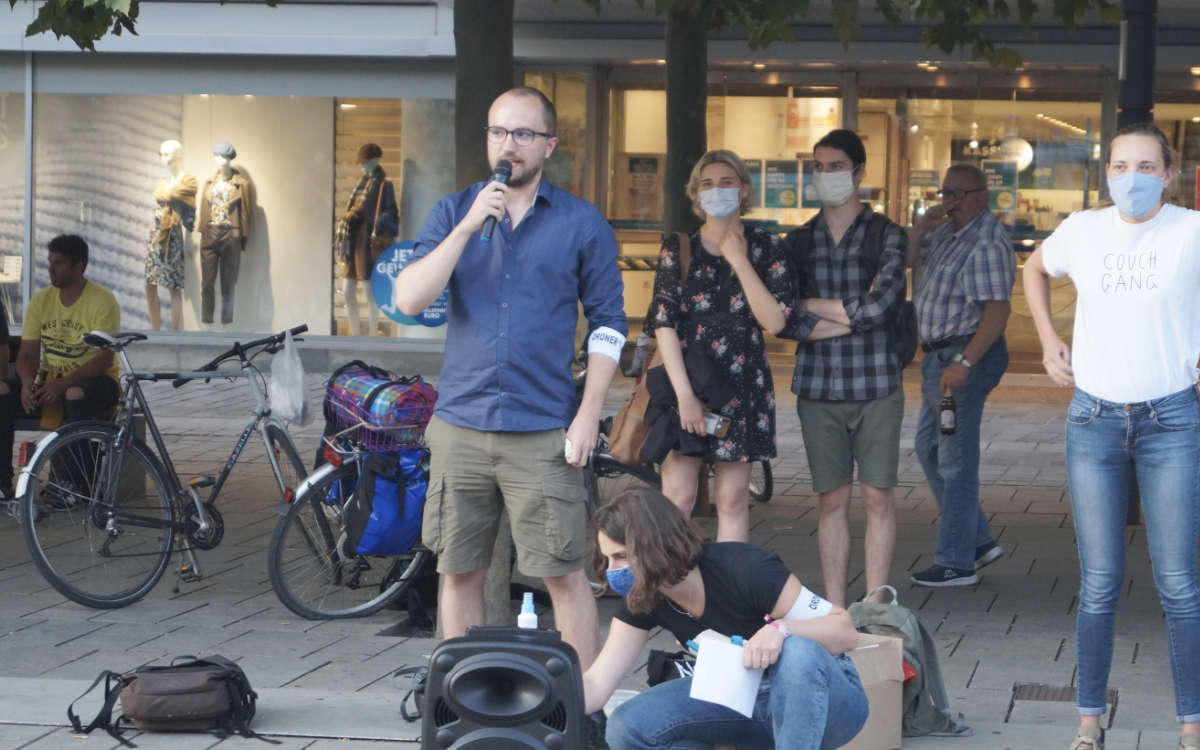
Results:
x,y
55,369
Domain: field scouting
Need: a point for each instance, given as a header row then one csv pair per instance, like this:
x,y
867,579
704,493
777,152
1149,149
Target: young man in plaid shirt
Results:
x,y
847,377
962,309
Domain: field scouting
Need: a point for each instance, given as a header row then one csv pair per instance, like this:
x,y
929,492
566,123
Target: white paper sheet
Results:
x,y
720,677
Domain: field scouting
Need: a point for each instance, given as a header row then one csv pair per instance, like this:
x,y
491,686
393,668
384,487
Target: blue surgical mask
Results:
x,y
720,202
620,580
1135,194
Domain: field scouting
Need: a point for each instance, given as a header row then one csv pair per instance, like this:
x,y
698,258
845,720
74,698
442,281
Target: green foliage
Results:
x,y
86,22
956,23
953,24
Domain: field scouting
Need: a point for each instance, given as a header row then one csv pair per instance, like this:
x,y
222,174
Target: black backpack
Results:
x,y
903,324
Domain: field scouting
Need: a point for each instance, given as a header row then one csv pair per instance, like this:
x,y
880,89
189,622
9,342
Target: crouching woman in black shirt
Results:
x,y
810,697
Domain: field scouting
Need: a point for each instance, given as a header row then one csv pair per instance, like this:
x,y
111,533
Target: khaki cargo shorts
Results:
x,y
839,433
475,475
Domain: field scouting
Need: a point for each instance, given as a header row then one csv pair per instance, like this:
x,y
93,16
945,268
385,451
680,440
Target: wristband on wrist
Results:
x,y
778,625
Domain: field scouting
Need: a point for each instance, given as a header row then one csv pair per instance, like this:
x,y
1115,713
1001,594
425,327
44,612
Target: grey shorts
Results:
x,y
475,475
837,434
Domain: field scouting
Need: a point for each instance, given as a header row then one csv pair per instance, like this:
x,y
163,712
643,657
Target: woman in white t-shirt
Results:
x,y
1136,268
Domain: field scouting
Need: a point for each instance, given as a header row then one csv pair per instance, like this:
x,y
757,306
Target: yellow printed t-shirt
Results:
x,y
61,328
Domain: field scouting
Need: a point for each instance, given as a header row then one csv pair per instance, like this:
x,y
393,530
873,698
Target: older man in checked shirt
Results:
x,y
962,310
847,377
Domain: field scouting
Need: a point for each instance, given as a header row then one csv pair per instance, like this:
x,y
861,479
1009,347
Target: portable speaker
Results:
x,y
503,689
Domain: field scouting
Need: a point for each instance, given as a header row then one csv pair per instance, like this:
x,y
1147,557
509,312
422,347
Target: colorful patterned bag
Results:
x,y
383,411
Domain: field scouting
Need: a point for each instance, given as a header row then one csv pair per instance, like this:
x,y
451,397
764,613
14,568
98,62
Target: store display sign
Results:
x,y
1002,184
645,187
782,183
383,277
923,178
754,167
808,195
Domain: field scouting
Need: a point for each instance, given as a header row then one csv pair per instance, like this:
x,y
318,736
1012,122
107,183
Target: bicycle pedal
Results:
x,y
198,482
188,574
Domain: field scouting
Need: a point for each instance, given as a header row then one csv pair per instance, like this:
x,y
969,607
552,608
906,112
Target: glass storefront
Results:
x,y
12,205
1043,158
282,236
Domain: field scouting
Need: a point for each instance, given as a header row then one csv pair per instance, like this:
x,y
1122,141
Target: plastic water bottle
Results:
x,y
528,618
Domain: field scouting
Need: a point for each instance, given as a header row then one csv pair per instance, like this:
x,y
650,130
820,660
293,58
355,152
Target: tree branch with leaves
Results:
x,y
86,22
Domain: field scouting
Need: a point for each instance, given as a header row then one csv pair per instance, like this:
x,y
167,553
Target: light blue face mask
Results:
x,y
620,580
1135,194
720,202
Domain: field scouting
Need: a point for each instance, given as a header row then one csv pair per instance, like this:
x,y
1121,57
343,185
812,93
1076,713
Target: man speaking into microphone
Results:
x,y
518,256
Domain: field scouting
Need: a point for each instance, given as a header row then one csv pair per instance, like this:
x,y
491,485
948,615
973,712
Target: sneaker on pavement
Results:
x,y
939,576
1189,741
1088,738
986,554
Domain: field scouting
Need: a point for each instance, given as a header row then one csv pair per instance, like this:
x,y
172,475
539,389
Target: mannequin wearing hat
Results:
x,y
176,198
226,208
367,227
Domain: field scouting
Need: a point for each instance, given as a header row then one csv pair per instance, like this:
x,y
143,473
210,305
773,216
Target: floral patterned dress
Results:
x,y
712,312
176,211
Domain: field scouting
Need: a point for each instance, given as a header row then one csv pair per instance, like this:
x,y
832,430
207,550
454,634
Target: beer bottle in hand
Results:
x,y
948,414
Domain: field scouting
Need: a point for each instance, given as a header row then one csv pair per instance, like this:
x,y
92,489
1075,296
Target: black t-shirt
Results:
x,y
742,583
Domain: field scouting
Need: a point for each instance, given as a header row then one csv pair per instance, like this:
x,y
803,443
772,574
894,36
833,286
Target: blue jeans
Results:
x,y
808,700
951,462
1108,445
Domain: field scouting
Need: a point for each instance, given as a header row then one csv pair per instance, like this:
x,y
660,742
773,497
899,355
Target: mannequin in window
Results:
x,y
176,198
368,226
226,207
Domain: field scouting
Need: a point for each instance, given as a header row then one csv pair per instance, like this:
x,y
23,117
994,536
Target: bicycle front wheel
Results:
x,y
97,516
309,571
283,450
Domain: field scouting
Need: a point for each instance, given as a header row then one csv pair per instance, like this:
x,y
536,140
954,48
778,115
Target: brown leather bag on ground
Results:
x,y
630,427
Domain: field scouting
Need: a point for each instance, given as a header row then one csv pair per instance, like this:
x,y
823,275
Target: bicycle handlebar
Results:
x,y
239,350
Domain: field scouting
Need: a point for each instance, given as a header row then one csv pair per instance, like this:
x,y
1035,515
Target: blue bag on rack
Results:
x,y
383,517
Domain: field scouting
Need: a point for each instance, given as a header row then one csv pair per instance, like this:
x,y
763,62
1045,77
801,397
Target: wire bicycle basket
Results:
x,y
377,409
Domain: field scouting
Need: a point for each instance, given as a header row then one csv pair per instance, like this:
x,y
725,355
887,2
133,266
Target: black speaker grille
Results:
x,y
557,718
443,714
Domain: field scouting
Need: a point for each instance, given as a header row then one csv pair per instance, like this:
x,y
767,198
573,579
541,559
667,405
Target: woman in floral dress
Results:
x,y
738,284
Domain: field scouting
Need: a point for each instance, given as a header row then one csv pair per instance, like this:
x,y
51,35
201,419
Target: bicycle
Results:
x,y
310,571
100,511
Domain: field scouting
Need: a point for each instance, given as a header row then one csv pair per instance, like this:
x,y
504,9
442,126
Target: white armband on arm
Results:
x,y
606,341
808,606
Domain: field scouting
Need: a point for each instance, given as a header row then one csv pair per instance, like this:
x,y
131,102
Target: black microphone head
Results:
x,y
503,170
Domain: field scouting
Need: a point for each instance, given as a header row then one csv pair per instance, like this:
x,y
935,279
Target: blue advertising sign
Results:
x,y
383,278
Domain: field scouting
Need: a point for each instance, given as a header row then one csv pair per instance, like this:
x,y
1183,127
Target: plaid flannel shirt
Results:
x,y
960,271
862,364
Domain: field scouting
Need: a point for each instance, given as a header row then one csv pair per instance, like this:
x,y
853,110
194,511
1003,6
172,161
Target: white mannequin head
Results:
x,y
224,165
171,153
370,165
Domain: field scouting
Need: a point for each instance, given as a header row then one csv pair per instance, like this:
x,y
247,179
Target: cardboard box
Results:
x,y
879,661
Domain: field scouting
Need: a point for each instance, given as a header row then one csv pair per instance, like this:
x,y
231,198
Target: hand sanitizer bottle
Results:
x,y
528,618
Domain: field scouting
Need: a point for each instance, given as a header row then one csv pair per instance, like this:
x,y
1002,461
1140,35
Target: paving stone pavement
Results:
x,y
329,684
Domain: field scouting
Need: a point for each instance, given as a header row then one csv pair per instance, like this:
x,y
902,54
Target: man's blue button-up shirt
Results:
x,y
514,306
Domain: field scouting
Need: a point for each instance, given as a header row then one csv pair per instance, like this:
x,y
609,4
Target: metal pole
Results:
x,y
1138,37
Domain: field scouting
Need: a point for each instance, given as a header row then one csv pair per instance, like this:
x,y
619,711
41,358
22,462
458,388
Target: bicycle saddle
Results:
x,y
102,340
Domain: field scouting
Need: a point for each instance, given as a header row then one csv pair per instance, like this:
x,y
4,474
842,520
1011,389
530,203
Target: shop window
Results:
x,y
12,205
1042,159
568,166
218,246
247,243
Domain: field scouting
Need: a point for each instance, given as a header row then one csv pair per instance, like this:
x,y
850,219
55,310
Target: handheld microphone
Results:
x,y
501,175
